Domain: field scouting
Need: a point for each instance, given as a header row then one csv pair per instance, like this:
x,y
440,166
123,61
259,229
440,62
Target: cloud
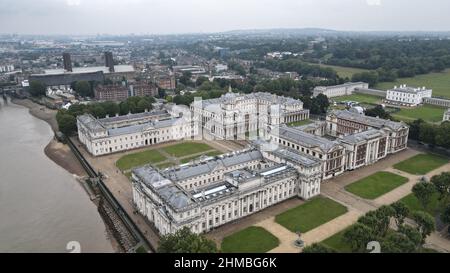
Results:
x,y
373,2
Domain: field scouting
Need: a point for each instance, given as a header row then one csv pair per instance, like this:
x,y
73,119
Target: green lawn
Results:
x,y
310,215
249,240
337,242
421,164
344,72
187,148
138,159
188,159
426,112
376,185
439,82
361,98
165,165
414,205
300,123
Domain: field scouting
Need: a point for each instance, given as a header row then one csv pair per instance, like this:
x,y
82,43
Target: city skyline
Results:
x,y
81,17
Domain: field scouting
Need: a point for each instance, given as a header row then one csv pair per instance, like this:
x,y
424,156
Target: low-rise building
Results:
x,y
446,115
406,95
339,90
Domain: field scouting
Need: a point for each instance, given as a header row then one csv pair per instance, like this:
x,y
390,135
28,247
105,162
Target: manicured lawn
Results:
x,y
421,164
414,205
310,215
426,112
344,72
361,98
300,123
164,165
187,148
249,240
138,159
376,185
188,159
337,242
439,82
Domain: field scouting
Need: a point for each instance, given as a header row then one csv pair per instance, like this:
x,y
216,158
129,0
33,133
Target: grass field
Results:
x,y
138,159
376,185
426,112
188,159
310,215
344,72
439,82
249,240
413,203
361,98
337,242
300,123
187,148
421,164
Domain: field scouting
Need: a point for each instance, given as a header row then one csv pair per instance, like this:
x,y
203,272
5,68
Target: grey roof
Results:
x,y
370,121
408,89
320,88
142,127
137,116
296,157
208,166
91,69
90,122
167,190
305,139
233,97
362,136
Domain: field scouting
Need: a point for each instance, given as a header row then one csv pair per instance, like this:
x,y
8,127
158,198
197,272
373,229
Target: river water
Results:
x,y
42,206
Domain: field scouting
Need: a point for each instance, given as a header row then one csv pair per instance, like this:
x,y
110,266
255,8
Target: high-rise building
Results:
x,y
67,62
109,62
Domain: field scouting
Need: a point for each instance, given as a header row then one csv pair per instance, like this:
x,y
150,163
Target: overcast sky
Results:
x,y
184,16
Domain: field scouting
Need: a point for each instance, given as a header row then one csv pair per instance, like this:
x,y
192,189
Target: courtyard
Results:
x,y
376,185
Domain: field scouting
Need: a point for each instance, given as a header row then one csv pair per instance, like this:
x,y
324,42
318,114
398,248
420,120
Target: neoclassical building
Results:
x,y
235,116
218,190
121,133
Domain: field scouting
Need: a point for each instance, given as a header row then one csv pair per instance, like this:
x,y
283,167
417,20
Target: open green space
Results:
x,y
187,148
345,72
130,161
376,185
413,203
249,240
439,82
337,242
421,164
361,98
300,123
188,159
310,215
426,112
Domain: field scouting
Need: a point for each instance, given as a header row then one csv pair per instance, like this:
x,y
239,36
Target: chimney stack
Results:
x,y
109,62
67,62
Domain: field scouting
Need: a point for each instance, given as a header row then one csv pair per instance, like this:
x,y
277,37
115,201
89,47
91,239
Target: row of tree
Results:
x,y
433,134
67,118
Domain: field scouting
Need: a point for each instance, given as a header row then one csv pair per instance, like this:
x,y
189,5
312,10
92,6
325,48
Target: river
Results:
x,y
42,206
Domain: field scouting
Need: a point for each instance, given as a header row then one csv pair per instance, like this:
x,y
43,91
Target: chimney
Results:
x,y
67,62
109,62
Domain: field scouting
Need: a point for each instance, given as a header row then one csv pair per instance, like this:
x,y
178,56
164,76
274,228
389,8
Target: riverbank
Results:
x,y
56,151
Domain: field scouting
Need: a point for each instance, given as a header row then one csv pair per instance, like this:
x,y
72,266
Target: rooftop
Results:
x,y
90,69
370,121
305,139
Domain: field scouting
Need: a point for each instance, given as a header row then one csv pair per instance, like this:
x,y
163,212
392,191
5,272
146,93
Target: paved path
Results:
x,y
285,236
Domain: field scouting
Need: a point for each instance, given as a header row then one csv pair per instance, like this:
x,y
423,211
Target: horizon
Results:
x,y
174,17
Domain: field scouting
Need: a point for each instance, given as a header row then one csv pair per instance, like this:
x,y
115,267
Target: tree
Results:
x,y
143,105
401,211
37,88
322,102
445,215
378,220
111,108
370,77
412,233
425,223
423,191
186,78
83,88
397,243
184,241
357,236
441,183
378,111
318,248
67,123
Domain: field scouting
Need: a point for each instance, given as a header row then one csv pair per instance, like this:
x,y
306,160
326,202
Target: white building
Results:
x,y
121,133
237,116
339,90
221,67
446,115
408,96
215,191
6,68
